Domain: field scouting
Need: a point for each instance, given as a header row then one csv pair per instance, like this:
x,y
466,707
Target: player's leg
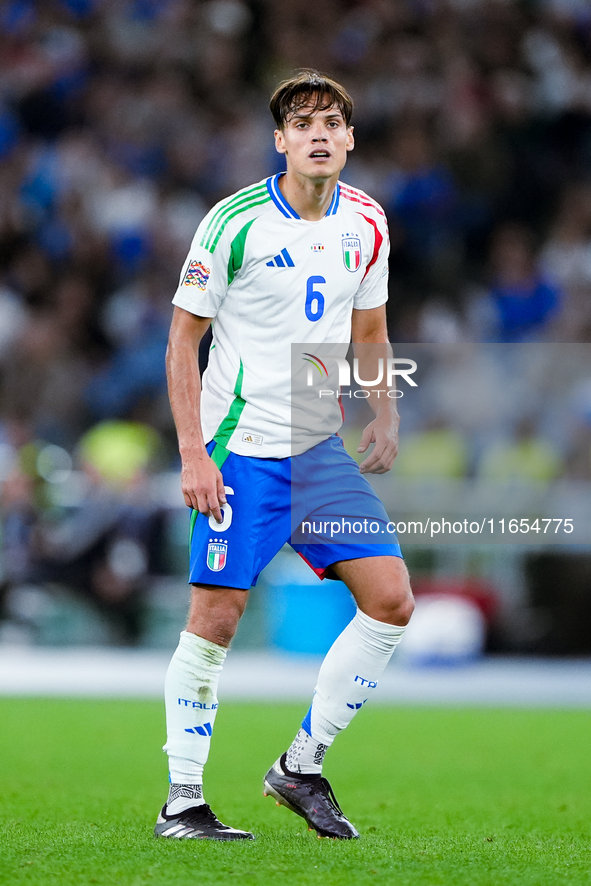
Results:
x,y
349,674
356,661
378,579
225,561
190,688
376,575
190,693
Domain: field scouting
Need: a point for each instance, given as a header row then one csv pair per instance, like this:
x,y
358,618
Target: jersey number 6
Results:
x,y
226,513
314,299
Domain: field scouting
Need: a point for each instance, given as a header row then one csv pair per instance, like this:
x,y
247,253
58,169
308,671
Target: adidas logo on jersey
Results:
x,y
283,260
256,439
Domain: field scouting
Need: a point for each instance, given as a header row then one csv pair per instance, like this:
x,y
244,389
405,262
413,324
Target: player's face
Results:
x,y
315,143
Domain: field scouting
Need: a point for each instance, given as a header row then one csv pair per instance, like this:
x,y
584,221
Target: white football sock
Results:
x,y
348,676
190,694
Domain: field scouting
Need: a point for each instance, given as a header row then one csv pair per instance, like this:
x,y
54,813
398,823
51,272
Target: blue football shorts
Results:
x,y
318,502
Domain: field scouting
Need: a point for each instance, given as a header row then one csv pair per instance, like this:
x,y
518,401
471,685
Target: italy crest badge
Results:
x,y
216,555
352,253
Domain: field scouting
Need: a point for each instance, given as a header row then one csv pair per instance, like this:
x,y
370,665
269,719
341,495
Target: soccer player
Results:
x,y
297,258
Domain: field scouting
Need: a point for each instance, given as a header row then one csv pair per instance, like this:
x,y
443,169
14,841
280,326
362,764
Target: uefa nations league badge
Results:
x,y
217,552
351,253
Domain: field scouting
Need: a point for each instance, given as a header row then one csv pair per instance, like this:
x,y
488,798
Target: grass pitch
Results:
x,y
442,797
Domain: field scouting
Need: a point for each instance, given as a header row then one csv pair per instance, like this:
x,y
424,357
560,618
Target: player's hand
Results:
x,y
383,433
203,486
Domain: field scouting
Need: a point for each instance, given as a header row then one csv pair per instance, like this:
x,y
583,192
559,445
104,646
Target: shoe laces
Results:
x,y
202,814
322,786
318,784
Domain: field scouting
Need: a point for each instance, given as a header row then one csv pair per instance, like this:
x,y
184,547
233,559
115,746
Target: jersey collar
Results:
x,y
284,207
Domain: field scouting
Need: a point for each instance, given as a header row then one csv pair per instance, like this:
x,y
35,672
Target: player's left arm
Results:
x,y
369,333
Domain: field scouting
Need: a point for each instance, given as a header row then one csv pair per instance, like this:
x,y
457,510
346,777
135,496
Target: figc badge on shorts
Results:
x,y
216,555
352,253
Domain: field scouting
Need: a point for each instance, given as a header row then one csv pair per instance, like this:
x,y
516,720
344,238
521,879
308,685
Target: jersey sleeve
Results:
x,y
203,281
373,291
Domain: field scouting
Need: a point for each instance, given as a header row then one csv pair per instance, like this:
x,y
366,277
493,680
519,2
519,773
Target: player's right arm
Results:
x,y
201,480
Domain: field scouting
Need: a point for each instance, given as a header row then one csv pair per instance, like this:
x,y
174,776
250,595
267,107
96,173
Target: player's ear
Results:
x,y
279,141
350,139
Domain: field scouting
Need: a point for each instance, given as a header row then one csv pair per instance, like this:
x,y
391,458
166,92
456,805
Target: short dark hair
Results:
x,y
309,87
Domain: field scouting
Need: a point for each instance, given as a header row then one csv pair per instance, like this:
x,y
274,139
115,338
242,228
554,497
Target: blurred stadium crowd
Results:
x,y
123,121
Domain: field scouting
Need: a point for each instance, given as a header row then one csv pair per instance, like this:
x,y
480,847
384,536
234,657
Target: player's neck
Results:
x,y
310,198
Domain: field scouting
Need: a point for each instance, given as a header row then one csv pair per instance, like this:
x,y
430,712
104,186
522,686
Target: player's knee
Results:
x,y
215,613
398,602
405,599
392,610
223,633
225,623
216,627
404,609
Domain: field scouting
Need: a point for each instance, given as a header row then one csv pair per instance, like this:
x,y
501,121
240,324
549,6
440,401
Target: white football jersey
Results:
x,y
270,279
